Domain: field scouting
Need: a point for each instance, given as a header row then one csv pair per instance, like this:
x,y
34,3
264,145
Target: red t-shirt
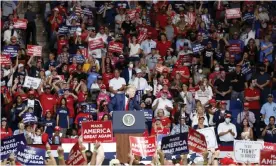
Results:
x,y
4,133
162,18
48,102
184,70
163,47
106,78
55,24
70,105
253,105
81,97
60,44
213,77
72,68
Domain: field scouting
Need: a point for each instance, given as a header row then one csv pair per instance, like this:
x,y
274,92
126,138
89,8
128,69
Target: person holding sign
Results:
x,y
269,133
227,131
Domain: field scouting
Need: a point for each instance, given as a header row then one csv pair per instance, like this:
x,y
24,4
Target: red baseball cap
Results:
x,y
223,102
31,92
212,101
227,161
266,60
165,70
57,128
228,116
246,104
103,86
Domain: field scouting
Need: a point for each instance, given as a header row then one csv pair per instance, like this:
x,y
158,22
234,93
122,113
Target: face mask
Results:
x,y
164,96
11,27
104,90
222,111
217,69
131,66
227,120
200,71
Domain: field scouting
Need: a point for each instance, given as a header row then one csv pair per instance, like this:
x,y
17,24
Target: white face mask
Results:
x,y
200,71
11,27
227,120
104,90
222,111
217,69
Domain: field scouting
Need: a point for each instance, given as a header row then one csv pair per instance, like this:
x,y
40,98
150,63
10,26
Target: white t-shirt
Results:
x,y
223,127
139,83
162,105
103,36
7,35
147,45
134,49
117,83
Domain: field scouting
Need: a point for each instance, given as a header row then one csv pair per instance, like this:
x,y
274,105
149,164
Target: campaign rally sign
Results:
x,y
87,11
5,59
132,12
148,114
28,155
10,144
63,30
75,156
196,141
20,23
159,139
73,29
31,82
94,131
11,50
268,157
33,50
233,13
142,36
143,146
84,52
115,47
235,48
269,146
210,137
247,151
96,44
248,16
175,144
197,48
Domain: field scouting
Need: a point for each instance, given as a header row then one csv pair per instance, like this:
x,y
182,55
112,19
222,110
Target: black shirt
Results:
x,y
223,86
238,86
208,54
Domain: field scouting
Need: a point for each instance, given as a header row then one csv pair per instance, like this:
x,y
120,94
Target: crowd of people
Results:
x,y
186,63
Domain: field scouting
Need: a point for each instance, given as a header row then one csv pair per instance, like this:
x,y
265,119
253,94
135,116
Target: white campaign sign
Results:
x,y
31,82
210,137
247,151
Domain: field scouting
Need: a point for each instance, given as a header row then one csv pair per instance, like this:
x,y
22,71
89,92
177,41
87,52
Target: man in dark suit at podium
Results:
x,y
128,103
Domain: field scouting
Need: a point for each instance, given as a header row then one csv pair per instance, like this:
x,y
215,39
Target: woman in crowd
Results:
x,y
247,132
5,130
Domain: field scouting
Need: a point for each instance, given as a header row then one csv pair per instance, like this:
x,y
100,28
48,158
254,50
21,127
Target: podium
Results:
x,y
125,124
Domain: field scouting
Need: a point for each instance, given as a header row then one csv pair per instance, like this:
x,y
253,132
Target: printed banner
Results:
x,y
248,16
9,145
63,30
20,23
11,50
31,82
96,44
97,131
5,60
75,156
72,30
247,151
28,155
233,13
267,157
87,11
196,141
235,48
197,48
159,139
132,12
269,146
143,146
142,36
115,47
33,50
84,52
148,114
175,144
210,137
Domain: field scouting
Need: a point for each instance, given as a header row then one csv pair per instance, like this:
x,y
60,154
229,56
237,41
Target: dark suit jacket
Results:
x,y
118,104
125,74
217,119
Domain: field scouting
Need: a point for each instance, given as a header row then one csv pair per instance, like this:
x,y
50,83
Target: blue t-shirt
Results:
x,y
50,126
110,16
62,112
